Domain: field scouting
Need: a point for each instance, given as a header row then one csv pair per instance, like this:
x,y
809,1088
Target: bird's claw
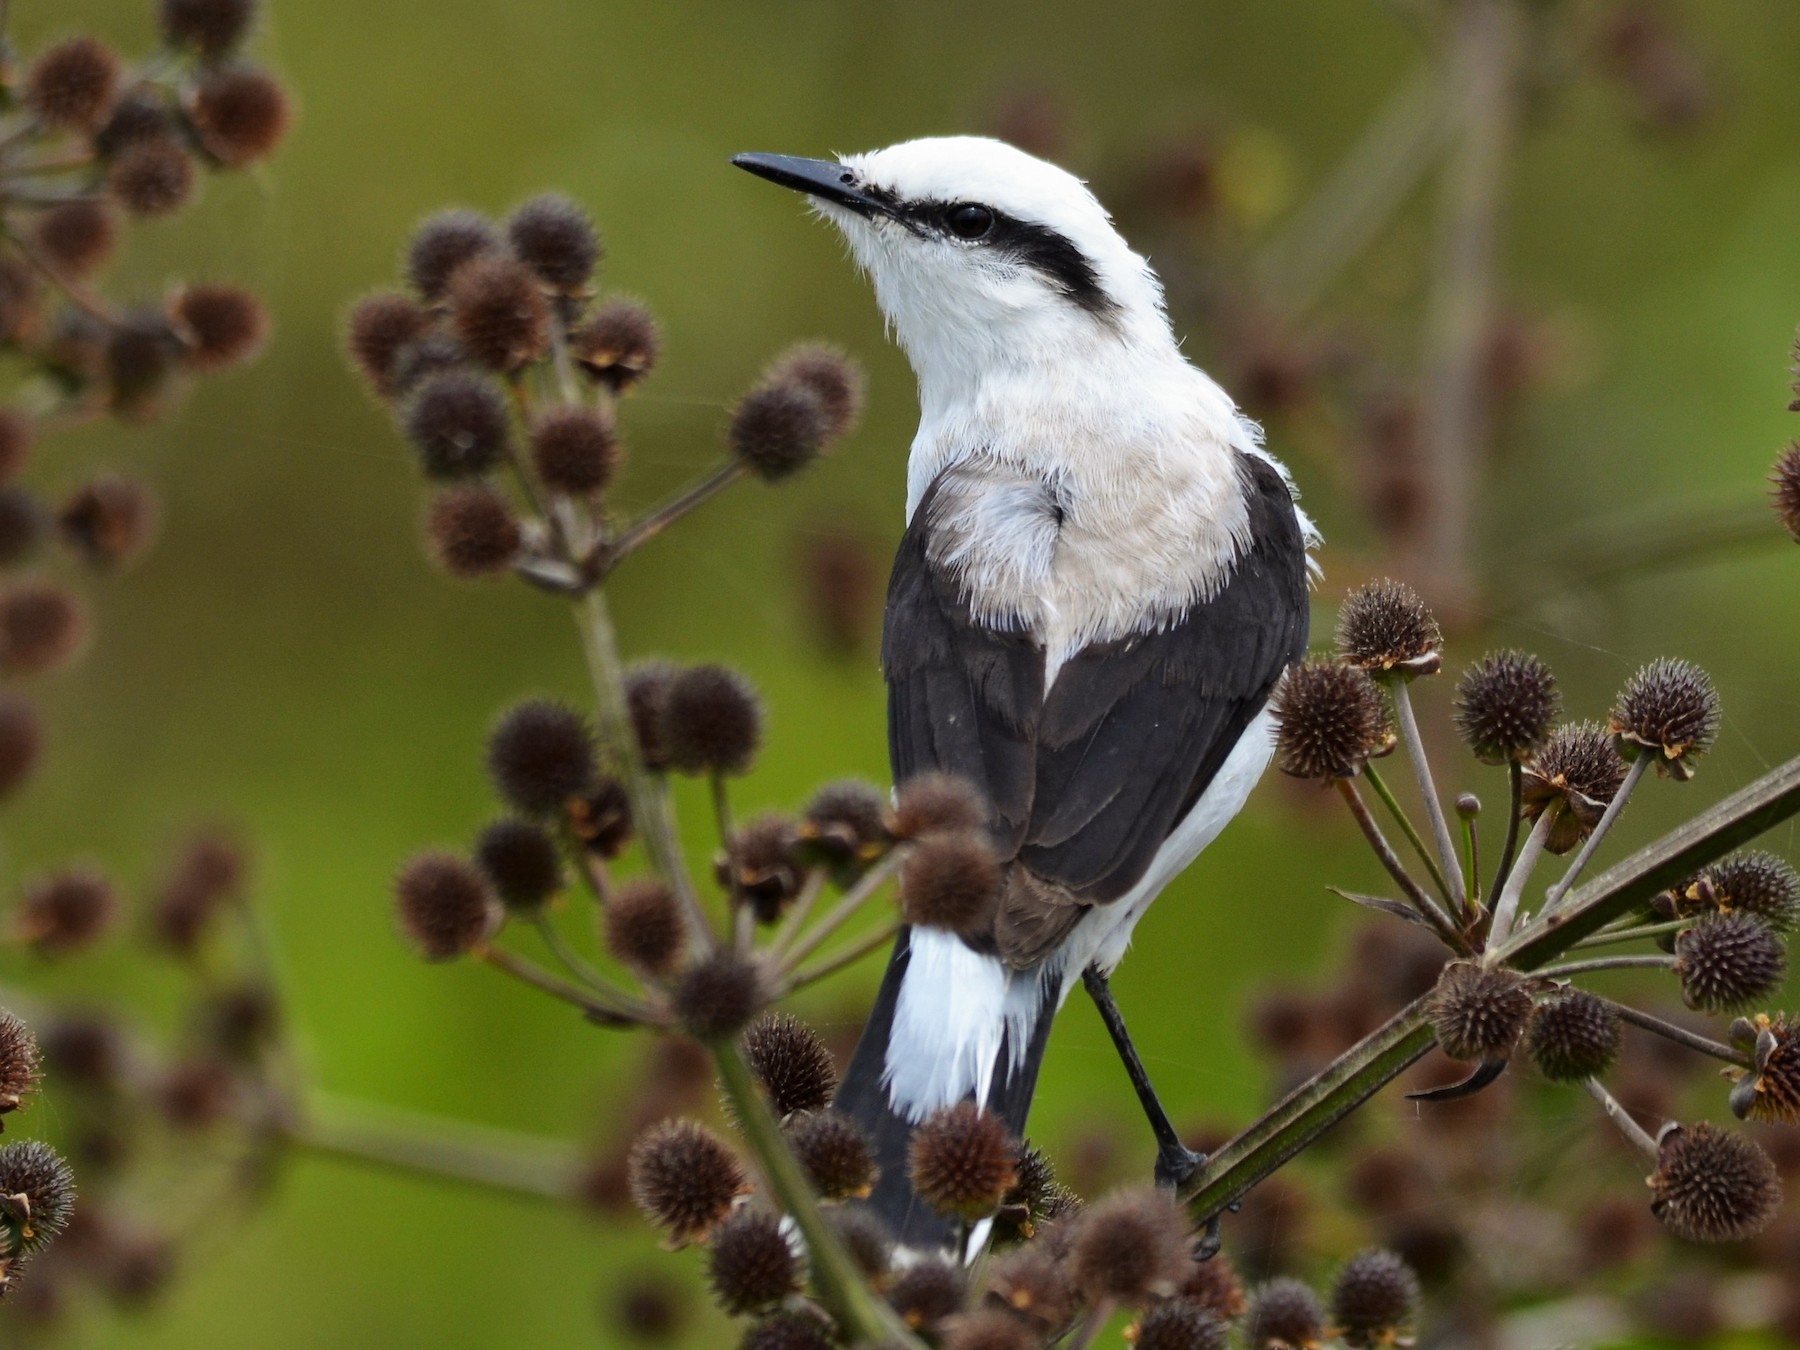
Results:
x,y
1175,1165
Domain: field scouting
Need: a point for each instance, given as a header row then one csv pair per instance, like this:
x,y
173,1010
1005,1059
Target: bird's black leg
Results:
x,y
1175,1162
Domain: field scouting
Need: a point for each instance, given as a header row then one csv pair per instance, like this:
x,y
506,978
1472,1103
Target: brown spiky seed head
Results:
x,y
847,820
42,628
791,1062
37,1196
757,864
867,1239
540,755
1579,771
791,1329
1713,1185
1180,1324
553,236
835,1153
1215,1284
1477,1012
109,520
1374,1297
951,882
963,1162
711,721
644,927
928,1292
522,862
210,870
1728,961
990,1329
1784,487
1754,882
380,327
834,379
647,685
472,532
938,803
575,450
211,27
1506,704
1770,1090
21,742
618,345
777,429
1331,720
443,243
1669,710
601,820
1385,628
1573,1036
18,1063
499,312
457,422
1032,1281
220,325
142,354
76,238
684,1178
241,114
72,84
716,997
1284,1314
140,114
1129,1246
750,1263
152,177
18,433
67,911
445,905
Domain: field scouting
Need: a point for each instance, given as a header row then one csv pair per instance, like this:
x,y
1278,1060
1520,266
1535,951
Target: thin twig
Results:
x,y
529,972
1553,897
1507,905
1383,791
854,899
1622,1118
77,295
1515,774
697,494
1569,968
573,962
1428,908
810,891
848,957
1434,807
1680,1035
1608,937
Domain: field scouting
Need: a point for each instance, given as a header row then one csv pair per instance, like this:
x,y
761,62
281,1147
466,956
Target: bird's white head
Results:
x,y
983,257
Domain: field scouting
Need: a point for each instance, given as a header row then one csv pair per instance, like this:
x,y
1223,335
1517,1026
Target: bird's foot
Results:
x,y
1175,1164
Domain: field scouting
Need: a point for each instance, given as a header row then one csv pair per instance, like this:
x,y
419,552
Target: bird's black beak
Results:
x,y
821,178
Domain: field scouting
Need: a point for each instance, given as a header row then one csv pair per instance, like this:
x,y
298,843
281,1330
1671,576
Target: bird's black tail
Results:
x,y
863,1097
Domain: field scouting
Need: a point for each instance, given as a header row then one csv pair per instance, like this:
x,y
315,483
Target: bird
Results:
x,y
1103,576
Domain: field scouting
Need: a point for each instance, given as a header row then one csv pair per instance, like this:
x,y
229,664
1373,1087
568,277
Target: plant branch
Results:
x,y
854,899
1680,1035
1622,1118
1506,905
1428,908
1383,791
529,972
848,957
1607,963
1633,776
696,494
1515,775
1434,807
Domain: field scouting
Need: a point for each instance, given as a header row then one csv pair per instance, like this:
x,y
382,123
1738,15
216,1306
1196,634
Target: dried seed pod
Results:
x,y
499,313
846,822
554,238
1130,1246
1573,1036
540,755
1771,1090
379,329
445,906
951,882
220,325
213,28
1331,720
240,114
43,627
76,238
793,1329
1506,704
618,345
962,1160
1729,961
990,1329
717,996
67,911
1670,711
522,862
21,742
1284,1315
1784,487
751,1264
1033,1282
927,1293
711,721
472,532
644,927
458,424
152,177
932,803
72,85
37,1196
684,1178
1478,1011
18,1063
791,1062
835,1153
1713,1185
1374,1297
1385,628
575,450
1579,771
443,243
647,685
831,376
110,520
1180,1324
1751,882
758,863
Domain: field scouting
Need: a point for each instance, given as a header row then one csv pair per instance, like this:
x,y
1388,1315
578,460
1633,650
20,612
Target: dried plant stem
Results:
x,y
696,494
854,899
1471,869
1515,777
1404,821
84,300
1680,1035
848,957
1622,1118
1506,907
1553,897
1607,963
810,891
649,803
863,1316
1632,933
1434,808
529,972
573,962
431,1146
1429,909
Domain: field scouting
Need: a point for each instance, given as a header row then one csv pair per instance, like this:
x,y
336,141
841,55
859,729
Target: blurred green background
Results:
x,y
287,660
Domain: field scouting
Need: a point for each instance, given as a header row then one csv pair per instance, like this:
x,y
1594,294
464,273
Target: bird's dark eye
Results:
x,y
969,221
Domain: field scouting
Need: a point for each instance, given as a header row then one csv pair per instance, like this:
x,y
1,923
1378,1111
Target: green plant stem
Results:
x,y
810,891
848,957
1515,777
1633,776
77,295
1471,869
649,804
1607,963
1608,937
1451,879
432,1146
1428,908
1680,1035
573,962
1622,1118
697,494
1506,906
862,1315
854,899
1404,821
529,972
1091,1325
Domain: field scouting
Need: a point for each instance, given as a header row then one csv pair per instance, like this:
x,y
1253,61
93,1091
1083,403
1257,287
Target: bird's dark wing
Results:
x,y
1087,784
